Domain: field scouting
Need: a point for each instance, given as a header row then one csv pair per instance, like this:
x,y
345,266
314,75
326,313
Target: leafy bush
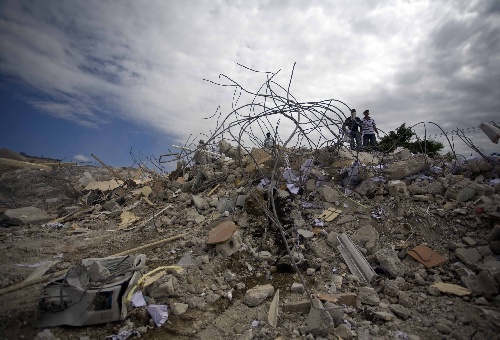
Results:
x,y
403,137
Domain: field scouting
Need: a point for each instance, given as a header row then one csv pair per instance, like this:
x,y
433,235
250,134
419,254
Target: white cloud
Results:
x,y
145,61
82,158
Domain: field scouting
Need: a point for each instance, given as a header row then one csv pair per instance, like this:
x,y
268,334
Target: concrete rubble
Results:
x,y
212,222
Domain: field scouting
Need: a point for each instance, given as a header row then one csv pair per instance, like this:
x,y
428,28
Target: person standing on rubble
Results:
x,y
269,141
351,127
369,130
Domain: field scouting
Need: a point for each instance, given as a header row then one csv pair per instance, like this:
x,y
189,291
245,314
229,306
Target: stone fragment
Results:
x,y
302,306
492,316
199,202
468,256
305,233
337,312
469,241
482,284
398,189
27,215
164,289
391,288
494,233
398,170
332,240
384,316
319,322
343,331
366,188
442,328
462,269
231,246
390,261
367,237
46,334
264,256
405,299
329,194
368,296
178,308
297,288
196,302
256,295
111,206
400,311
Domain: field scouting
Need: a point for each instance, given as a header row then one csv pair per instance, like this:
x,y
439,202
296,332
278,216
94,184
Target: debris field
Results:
x,y
429,230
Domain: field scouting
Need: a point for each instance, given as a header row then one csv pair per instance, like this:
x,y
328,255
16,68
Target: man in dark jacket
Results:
x,y
351,127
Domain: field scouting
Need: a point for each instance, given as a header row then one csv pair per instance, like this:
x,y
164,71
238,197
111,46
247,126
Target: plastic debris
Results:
x,y
124,335
159,313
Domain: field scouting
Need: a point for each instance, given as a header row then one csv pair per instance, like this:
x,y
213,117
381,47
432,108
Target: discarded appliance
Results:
x,y
91,293
355,260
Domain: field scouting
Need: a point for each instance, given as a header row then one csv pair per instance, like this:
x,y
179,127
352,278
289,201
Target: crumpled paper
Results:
x,y
159,314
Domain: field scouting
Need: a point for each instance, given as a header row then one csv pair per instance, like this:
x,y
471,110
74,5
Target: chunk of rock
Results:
x,y
400,311
27,215
442,328
230,247
368,296
336,312
398,189
45,335
319,322
199,202
398,170
367,237
469,256
482,284
256,295
344,332
329,194
178,308
390,261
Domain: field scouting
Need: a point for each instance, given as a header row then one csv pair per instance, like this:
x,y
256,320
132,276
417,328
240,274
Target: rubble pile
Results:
x,y
254,245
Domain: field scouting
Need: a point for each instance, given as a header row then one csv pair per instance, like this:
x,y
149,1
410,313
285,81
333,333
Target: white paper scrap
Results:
x,y
138,300
159,314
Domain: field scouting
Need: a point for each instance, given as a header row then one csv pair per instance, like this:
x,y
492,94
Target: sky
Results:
x,y
125,80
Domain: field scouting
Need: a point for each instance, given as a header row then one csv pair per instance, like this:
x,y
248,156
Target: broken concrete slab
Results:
x,y
27,215
401,169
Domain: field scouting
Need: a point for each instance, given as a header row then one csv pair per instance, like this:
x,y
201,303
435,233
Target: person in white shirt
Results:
x,y
369,130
